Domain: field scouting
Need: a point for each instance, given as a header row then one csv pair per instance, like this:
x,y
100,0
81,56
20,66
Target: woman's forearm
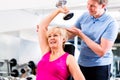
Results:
x,y
46,21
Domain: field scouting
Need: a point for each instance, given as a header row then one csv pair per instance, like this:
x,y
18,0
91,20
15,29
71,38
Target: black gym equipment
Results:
x,y
61,3
70,48
32,65
27,69
14,73
68,16
29,78
7,66
13,62
14,70
22,70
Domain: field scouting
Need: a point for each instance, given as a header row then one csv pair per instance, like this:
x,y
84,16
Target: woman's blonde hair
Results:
x,y
60,30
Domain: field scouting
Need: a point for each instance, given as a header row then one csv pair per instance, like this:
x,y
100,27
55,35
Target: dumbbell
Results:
x,y
32,65
14,73
24,70
28,69
29,78
13,62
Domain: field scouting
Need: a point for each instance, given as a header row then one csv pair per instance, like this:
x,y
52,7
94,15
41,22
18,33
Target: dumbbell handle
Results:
x,y
61,3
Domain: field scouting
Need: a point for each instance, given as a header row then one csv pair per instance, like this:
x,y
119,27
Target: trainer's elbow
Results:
x,y
102,53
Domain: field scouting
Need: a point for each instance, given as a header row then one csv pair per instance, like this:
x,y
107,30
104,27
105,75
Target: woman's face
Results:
x,y
55,40
94,8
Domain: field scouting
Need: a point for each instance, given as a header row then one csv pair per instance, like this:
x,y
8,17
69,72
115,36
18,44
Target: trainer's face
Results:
x,y
94,8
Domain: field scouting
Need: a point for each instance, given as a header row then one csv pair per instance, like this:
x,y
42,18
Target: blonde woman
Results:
x,y
56,64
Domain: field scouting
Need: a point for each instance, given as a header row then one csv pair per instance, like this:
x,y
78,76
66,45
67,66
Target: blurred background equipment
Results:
x,y
70,48
11,70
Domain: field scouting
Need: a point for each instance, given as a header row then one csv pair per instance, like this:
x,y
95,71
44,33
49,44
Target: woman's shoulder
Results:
x,y
70,56
70,59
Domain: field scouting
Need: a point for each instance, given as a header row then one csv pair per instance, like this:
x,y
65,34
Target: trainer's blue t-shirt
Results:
x,y
96,28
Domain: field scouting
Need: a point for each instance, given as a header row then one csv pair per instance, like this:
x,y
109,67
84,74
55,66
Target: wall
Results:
x,y
21,49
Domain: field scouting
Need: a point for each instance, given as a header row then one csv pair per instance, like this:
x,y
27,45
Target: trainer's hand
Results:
x,y
74,30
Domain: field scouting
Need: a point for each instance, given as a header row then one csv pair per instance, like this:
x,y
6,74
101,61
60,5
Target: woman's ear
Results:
x,y
64,40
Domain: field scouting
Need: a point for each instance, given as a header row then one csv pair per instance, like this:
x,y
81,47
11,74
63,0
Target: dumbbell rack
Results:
x,y
10,70
4,68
